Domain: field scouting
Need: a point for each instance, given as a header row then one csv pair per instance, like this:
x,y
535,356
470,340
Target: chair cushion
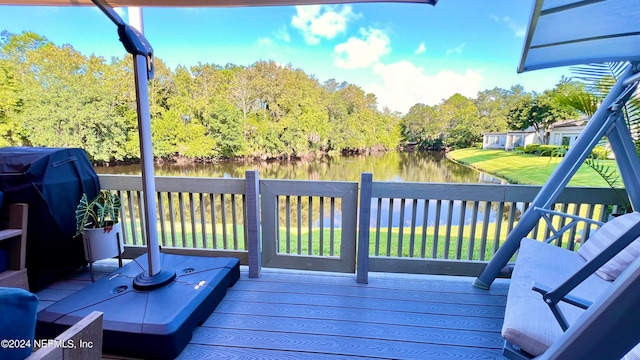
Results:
x,y
528,321
604,236
18,309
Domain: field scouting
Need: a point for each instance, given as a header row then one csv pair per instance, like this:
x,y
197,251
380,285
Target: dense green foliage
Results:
x,y
55,96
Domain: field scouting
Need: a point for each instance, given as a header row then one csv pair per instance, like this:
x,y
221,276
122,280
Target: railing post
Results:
x,y
253,223
364,218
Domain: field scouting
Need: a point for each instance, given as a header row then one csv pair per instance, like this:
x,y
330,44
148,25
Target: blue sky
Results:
x,y
403,53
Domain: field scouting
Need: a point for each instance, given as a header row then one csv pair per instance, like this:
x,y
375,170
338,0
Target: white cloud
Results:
x,y
420,49
456,50
403,85
265,41
362,52
519,30
321,21
283,34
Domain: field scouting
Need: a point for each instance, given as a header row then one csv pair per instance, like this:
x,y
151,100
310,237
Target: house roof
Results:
x,y
570,123
570,32
197,3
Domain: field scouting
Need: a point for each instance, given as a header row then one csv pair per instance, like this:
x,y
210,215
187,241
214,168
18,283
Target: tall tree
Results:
x,y
423,126
539,111
461,121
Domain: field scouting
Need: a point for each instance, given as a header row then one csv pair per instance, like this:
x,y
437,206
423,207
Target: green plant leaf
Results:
x,y
84,214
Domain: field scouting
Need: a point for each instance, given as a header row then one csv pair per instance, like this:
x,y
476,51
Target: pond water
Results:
x,y
391,166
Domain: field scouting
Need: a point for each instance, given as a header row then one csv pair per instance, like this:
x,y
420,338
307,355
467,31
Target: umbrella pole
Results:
x,y
136,44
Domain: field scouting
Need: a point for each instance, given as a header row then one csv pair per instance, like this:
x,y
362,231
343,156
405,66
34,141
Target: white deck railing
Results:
x,y
410,227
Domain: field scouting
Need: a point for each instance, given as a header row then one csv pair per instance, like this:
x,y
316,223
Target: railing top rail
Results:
x,y
488,192
308,187
175,184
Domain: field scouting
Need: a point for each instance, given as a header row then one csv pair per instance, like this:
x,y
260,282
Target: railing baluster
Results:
x,y
499,217
142,214
447,236
132,218
310,234
321,250
390,227
183,219
412,236
299,222
485,229
234,221
172,219
378,219
587,228
125,225
192,212
203,220
512,216
163,234
574,229
287,210
214,223
472,233
223,216
333,227
548,232
425,227
463,209
244,222
278,226
563,220
401,227
604,213
436,229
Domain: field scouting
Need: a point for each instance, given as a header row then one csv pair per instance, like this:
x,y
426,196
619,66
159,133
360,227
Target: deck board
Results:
x,y
315,315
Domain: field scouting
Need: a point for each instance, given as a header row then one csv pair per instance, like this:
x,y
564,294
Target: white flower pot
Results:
x,y
99,244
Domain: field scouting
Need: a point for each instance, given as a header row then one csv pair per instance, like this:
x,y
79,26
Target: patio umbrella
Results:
x,y
136,44
201,3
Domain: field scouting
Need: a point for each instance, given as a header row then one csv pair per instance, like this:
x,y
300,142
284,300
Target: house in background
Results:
x,y
566,132
561,133
510,139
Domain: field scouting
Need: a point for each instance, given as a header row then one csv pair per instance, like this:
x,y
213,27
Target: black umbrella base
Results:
x,y
152,323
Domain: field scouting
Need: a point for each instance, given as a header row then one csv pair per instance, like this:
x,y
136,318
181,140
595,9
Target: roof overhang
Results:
x,y
197,3
570,32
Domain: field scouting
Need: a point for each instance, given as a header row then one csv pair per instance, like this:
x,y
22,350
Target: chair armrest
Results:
x,y
81,341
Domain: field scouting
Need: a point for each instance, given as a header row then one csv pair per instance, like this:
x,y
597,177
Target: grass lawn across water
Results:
x,y
525,168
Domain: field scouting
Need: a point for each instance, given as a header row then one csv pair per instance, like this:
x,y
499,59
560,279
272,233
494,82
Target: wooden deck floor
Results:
x,y
307,315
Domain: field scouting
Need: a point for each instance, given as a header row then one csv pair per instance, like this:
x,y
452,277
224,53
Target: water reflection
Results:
x,y
391,166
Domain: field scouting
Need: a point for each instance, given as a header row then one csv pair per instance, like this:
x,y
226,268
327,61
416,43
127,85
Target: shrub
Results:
x,y
542,150
600,153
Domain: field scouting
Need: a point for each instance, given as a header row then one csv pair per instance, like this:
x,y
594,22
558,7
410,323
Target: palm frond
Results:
x,y
599,79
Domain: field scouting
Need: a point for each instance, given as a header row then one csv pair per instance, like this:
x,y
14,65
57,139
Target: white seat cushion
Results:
x,y
528,321
604,236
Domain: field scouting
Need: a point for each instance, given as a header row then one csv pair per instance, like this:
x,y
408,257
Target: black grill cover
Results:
x,y
51,181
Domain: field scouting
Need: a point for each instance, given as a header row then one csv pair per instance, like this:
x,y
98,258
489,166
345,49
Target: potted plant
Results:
x,y
97,221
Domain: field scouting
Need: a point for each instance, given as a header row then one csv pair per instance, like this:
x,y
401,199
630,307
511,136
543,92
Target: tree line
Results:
x,y
55,96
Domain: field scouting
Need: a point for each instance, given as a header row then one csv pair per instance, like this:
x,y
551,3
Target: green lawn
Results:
x,y
524,168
